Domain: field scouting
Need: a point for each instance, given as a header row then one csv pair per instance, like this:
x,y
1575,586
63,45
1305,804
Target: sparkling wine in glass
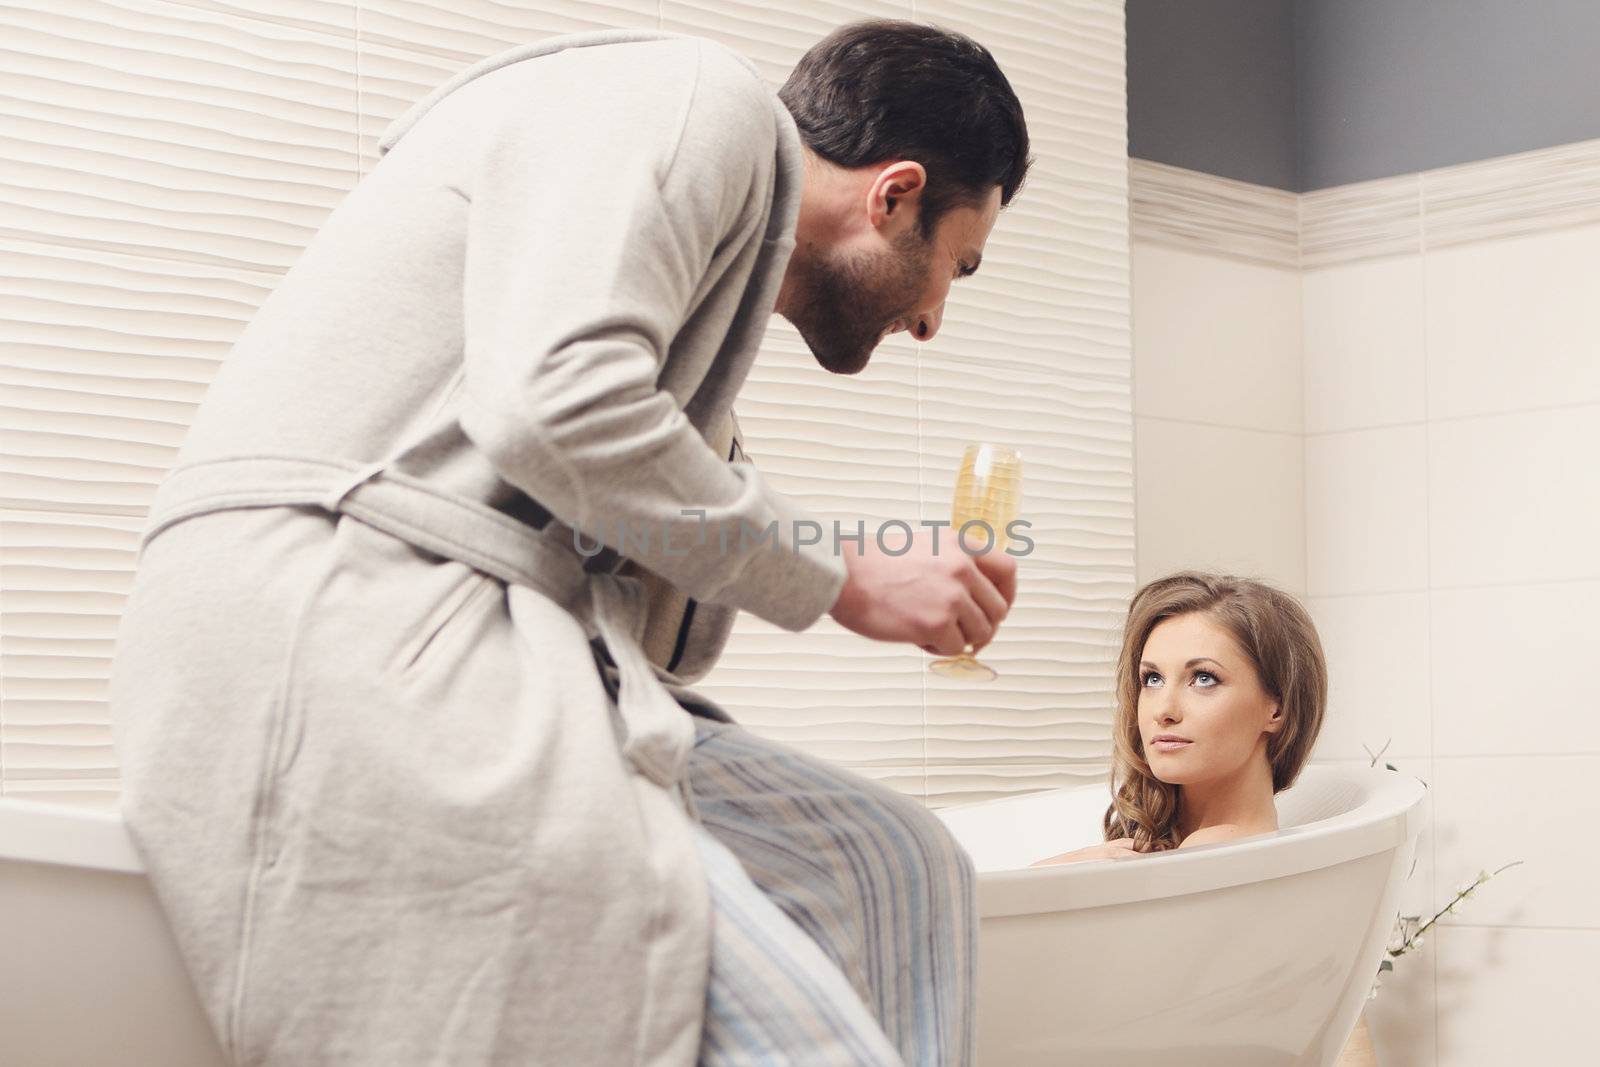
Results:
x,y
988,491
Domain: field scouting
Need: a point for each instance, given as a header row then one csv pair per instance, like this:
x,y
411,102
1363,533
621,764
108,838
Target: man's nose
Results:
x,y
927,324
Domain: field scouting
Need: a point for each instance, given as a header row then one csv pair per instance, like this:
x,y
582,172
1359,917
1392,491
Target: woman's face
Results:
x,y
1202,711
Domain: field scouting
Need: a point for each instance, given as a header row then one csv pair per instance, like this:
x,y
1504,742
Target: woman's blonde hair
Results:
x,y
1274,630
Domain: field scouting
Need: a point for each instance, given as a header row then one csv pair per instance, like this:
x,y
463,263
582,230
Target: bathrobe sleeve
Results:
x,y
594,221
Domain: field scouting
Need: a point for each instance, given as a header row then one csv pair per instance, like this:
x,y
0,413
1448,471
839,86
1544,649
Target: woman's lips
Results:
x,y
1170,744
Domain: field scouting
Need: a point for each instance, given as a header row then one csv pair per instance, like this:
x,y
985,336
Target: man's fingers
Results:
x,y
948,641
988,599
1001,570
974,622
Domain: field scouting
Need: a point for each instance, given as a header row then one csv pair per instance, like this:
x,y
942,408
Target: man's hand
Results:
x,y
940,603
1120,849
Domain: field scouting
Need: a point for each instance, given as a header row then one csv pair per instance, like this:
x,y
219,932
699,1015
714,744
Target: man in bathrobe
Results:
x,y
400,692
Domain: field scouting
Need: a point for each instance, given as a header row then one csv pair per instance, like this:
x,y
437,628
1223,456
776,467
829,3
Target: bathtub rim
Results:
x,y
1388,818
35,831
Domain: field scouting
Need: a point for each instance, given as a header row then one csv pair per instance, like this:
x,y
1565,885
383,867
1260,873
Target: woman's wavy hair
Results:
x,y
1274,630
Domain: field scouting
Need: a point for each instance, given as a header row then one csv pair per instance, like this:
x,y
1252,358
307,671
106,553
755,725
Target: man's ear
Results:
x,y
895,196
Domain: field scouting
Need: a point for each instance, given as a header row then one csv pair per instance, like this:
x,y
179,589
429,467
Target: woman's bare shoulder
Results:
x,y
1211,835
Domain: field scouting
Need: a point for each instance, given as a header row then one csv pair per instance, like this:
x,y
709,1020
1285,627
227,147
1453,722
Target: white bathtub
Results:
x,y
1249,954
89,973
1246,954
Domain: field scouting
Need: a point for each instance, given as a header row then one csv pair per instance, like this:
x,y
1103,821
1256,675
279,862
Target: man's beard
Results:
x,y
847,301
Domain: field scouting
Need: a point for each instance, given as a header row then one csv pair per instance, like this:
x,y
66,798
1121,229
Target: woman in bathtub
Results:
x,y
1221,687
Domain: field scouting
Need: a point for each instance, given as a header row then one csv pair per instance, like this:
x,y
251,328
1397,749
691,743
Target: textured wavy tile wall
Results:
x,y
166,161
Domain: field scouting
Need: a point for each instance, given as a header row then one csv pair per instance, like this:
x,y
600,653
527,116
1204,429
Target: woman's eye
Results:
x,y
1151,678
1205,674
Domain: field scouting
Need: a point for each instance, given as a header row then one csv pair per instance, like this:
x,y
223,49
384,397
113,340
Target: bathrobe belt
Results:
x,y
658,732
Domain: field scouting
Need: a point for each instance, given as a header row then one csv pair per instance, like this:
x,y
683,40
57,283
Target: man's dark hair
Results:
x,y
875,91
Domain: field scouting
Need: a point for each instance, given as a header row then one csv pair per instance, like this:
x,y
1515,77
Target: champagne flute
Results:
x,y
988,491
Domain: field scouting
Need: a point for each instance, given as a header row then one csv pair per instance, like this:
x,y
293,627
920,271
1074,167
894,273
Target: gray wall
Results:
x,y
1307,94
1211,87
1392,86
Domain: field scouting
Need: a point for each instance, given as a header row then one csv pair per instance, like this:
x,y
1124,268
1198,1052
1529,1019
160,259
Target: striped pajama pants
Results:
x,y
843,927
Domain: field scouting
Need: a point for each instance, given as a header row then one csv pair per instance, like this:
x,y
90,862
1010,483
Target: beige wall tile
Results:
x,y
1490,811
1515,498
1514,324
1377,652
1364,353
1366,512
1516,996
1220,499
1216,340
1505,661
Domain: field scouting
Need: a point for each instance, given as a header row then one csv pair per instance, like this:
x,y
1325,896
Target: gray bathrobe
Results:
x,y
363,689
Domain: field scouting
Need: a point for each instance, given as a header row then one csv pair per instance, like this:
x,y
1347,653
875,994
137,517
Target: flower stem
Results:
x,y
1406,945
